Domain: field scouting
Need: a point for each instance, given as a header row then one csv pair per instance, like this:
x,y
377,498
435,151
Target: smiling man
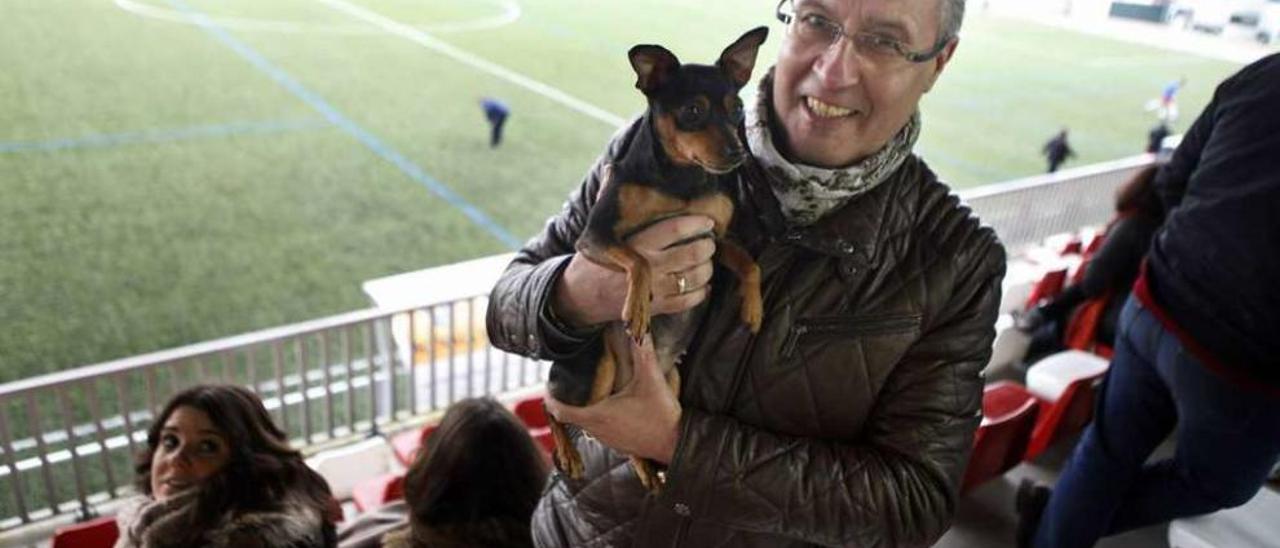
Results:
x,y
847,419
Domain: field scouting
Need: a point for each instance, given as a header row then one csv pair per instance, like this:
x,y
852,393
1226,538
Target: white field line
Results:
x,y
423,39
510,13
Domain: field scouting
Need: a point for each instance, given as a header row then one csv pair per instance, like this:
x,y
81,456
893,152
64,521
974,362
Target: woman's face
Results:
x,y
191,449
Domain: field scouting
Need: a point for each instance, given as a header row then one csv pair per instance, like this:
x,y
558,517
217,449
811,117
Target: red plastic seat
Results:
x,y
1072,247
1008,416
96,533
542,436
531,412
1048,287
378,491
405,444
1062,418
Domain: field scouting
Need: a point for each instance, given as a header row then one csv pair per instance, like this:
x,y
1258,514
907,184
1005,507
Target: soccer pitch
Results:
x,y
178,170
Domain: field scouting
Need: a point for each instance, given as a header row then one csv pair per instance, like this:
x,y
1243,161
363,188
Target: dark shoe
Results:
x,y
1029,504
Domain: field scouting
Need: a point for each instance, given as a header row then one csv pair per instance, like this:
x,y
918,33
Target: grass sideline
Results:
x,y
145,234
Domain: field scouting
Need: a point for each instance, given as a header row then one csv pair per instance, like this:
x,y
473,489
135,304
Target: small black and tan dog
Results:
x,y
677,164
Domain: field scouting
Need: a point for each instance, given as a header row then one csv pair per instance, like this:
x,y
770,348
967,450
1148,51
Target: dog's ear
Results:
x,y
740,57
654,65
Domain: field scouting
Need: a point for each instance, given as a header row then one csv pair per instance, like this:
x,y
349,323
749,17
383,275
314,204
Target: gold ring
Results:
x,y
681,285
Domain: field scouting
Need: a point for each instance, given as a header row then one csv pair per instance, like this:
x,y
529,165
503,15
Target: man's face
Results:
x,y
833,106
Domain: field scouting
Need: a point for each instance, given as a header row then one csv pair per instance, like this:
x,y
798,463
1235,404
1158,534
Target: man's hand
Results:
x,y
643,419
588,294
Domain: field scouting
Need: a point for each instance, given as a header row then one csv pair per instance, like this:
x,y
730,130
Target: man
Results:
x,y
848,419
1057,150
1156,137
1197,345
496,112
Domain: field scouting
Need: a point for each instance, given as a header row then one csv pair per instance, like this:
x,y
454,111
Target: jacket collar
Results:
x,y
854,233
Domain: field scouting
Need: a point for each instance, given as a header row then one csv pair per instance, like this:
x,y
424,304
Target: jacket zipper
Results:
x,y
738,375
847,326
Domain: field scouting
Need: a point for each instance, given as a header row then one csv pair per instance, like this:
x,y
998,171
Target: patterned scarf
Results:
x,y
806,193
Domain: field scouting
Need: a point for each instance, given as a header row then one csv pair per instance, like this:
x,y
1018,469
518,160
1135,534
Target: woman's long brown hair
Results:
x,y
479,466
263,469
1138,195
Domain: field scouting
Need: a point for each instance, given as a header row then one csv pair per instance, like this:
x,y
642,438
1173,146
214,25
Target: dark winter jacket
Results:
x,y
846,421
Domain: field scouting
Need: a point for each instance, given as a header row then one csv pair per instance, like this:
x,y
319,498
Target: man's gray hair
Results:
x,y
952,16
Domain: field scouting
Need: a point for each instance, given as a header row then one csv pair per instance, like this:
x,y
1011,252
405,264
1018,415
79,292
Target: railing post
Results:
x,y
328,382
413,363
300,351
371,360
431,355
15,478
95,410
351,385
81,492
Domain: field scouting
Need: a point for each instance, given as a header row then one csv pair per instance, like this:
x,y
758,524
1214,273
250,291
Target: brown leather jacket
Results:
x,y
847,421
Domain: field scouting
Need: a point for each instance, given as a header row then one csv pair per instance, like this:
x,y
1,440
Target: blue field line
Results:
x,y
107,140
368,139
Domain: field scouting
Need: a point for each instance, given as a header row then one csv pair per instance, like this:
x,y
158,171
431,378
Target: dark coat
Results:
x,y
847,420
1215,265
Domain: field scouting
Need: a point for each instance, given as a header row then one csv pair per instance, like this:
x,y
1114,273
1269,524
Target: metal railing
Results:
x,y
1026,211
68,439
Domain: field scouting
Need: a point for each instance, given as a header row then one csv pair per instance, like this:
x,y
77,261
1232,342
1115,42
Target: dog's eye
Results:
x,y
691,114
736,114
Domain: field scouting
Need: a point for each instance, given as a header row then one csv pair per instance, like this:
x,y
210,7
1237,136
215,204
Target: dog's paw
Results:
x,y
570,463
648,475
635,315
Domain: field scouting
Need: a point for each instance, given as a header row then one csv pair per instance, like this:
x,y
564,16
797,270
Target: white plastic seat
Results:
x,y
1019,279
1009,347
1048,378
347,466
1253,525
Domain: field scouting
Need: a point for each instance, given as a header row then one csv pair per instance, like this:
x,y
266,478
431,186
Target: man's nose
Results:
x,y
838,65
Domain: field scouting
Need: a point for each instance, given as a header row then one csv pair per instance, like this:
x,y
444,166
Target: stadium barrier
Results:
x,y
68,439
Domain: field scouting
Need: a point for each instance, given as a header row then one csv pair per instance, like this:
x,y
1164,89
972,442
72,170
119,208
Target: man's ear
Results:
x,y
940,62
739,58
654,65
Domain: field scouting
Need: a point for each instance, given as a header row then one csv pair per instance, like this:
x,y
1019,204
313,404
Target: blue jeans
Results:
x,y
1227,441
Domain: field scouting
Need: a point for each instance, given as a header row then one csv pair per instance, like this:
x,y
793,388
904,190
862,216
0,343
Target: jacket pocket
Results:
x,y
822,327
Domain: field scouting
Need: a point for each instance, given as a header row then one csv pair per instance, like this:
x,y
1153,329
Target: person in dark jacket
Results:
x,y
1057,150
217,472
496,112
1108,274
849,417
1155,137
1197,348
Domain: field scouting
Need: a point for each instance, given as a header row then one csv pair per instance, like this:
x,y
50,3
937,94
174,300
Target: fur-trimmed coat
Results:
x,y
148,523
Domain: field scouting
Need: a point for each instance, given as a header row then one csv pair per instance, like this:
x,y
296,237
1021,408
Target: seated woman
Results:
x,y
1108,274
475,483
218,472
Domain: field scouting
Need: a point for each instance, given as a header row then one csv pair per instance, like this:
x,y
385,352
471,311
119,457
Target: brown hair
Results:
x,y
1138,196
479,466
263,469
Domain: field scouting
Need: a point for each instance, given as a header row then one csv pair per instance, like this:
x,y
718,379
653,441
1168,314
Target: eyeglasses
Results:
x,y
813,28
